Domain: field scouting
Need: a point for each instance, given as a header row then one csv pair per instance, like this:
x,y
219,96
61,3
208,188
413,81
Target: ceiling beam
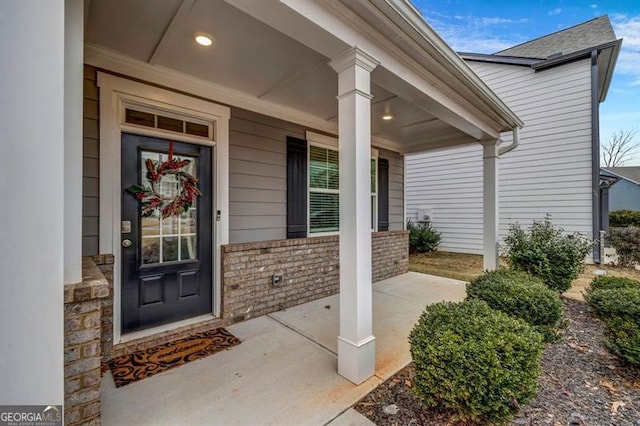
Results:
x,y
181,12
293,77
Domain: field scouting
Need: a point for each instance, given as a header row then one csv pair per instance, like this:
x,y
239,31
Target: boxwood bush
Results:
x,y
609,282
545,251
617,302
422,237
521,295
475,361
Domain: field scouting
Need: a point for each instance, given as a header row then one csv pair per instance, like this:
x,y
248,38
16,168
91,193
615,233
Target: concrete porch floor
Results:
x,y
284,372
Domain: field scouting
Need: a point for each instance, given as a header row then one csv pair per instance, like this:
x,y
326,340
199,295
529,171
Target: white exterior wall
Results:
x,y
550,172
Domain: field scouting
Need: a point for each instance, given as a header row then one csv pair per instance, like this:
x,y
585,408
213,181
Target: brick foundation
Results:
x,y
104,262
310,269
389,254
82,345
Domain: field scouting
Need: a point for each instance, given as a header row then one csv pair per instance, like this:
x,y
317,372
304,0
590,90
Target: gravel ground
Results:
x,y
581,384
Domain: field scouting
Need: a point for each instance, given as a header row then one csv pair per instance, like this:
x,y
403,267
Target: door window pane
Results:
x,y
151,225
188,247
188,221
170,249
150,250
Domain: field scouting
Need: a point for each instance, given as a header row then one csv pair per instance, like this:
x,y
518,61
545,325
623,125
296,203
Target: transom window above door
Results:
x,y
140,116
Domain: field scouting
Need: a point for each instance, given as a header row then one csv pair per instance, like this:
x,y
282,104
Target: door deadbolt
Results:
x,y
126,243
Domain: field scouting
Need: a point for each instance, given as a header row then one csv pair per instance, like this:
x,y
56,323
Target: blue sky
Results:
x,y
493,25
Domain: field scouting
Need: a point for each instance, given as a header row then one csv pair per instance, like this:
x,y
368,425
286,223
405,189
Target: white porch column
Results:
x,y
73,72
32,194
356,344
490,206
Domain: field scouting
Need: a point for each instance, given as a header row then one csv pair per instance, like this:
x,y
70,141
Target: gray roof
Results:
x,y
630,173
582,36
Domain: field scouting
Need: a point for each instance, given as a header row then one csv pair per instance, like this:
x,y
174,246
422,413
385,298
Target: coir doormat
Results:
x,y
145,363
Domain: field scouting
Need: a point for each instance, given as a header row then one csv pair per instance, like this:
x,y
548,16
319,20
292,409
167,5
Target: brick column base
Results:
x,y
82,346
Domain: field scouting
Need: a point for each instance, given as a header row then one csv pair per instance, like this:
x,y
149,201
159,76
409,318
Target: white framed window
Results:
x,y
323,209
324,190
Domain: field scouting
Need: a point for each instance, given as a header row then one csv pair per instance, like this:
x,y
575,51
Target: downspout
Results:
x,y
595,154
513,145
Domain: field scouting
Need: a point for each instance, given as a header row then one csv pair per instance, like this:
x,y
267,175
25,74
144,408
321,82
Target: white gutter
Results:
x,y
514,143
413,17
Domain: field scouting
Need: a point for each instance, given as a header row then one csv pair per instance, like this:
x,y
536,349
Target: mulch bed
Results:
x,y
581,384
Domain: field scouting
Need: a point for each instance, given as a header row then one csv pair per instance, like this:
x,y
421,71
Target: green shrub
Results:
x,y
546,252
624,339
609,282
475,361
622,302
624,218
617,302
626,241
521,295
422,237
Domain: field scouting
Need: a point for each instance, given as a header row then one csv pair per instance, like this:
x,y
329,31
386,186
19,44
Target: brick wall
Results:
x,y
104,262
310,269
390,254
82,345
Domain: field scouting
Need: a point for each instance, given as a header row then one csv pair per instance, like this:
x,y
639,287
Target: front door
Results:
x,y
166,261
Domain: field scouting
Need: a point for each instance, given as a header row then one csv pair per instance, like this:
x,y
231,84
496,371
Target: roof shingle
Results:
x,y
582,36
630,173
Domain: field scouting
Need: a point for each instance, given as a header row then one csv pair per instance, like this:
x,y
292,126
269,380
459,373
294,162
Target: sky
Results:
x,y
493,25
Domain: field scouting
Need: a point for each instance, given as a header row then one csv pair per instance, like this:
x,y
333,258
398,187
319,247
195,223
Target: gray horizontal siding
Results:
x,y
258,176
549,173
90,165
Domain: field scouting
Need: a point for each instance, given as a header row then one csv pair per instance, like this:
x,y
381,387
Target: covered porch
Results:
x,y
365,79
284,371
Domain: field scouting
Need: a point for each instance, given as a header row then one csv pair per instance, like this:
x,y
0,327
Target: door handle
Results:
x,y
126,243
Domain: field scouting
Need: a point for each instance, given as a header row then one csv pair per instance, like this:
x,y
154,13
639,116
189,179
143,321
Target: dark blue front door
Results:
x,y
166,262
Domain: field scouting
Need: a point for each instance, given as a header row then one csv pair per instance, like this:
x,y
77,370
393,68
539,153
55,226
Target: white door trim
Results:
x,y
114,93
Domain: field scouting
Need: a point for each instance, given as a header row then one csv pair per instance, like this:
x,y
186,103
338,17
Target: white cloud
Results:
x,y
475,34
556,11
494,21
593,6
628,28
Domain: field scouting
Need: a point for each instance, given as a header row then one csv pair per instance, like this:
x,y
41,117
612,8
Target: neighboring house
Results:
x,y
555,83
625,193
287,214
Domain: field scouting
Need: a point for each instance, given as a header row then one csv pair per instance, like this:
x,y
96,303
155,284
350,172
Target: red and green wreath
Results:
x,y
152,200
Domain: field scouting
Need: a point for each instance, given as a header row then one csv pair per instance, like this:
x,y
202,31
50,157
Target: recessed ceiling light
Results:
x,y
203,39
387,117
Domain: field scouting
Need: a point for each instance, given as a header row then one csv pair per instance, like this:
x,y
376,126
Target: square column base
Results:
x,y
357,362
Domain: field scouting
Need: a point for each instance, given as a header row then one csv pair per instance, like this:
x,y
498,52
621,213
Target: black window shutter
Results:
x,y
383,194
296,188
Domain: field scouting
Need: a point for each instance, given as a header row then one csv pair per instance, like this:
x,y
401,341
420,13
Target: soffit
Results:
x,y
254,58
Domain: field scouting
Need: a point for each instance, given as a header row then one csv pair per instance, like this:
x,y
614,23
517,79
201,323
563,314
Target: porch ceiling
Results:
x,y
252,57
